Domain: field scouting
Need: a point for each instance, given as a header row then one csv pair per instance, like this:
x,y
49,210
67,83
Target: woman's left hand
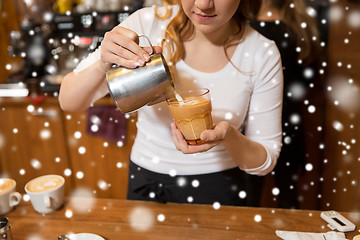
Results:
x,y
212,137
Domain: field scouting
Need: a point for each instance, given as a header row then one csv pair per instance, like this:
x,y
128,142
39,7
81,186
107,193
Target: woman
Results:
x,y
296,36
209,45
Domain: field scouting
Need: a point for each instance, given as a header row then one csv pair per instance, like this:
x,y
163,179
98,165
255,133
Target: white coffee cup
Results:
x,y
8,197
46,193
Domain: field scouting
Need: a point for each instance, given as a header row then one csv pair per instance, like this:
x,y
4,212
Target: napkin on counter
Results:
x,y
291,235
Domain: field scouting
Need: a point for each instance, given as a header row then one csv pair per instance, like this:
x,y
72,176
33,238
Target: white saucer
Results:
x,y
85,236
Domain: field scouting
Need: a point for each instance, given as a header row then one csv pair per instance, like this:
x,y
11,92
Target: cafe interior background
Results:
x,y
42,40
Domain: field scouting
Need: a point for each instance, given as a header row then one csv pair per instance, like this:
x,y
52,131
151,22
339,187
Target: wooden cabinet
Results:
x,y
32,141
100,166
9,21
341,165
41,139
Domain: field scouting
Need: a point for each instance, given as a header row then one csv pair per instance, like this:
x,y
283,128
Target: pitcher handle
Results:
x,y
149,42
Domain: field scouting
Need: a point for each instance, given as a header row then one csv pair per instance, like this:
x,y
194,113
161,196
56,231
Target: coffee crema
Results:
x,y
44,184
6,185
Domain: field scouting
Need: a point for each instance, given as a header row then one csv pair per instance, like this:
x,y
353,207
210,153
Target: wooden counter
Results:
x,y
121,219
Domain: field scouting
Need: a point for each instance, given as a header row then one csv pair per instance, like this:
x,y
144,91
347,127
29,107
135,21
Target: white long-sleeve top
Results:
x,y
251,100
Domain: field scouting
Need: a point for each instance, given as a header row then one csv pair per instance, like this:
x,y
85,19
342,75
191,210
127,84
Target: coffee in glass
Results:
x,y
192,113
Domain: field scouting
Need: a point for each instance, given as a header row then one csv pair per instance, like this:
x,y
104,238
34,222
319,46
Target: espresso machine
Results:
x,y
73,37
53,47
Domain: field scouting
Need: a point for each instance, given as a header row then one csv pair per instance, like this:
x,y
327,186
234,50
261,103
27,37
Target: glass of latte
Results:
x,y
46,193
191,111
9,198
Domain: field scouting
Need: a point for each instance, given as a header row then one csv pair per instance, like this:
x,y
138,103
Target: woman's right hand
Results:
x,y
121,47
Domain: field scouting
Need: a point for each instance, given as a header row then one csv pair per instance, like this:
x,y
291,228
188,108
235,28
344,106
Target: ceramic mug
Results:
x,y
46,193
9,198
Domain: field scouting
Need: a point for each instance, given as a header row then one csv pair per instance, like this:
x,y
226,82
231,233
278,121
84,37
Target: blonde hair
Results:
x,y
181,29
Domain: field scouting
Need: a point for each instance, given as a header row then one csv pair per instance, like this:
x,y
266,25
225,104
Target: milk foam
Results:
x,y
44,184
6,185
178,97
187,101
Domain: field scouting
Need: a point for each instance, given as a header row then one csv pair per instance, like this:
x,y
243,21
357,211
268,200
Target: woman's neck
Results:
x,y
218,36
205,52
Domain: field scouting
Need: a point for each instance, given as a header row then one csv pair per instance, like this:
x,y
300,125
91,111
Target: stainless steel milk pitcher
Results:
x,y
132,88
5,229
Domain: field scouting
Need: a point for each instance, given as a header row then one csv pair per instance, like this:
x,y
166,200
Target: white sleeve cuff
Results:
x,y
266,167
